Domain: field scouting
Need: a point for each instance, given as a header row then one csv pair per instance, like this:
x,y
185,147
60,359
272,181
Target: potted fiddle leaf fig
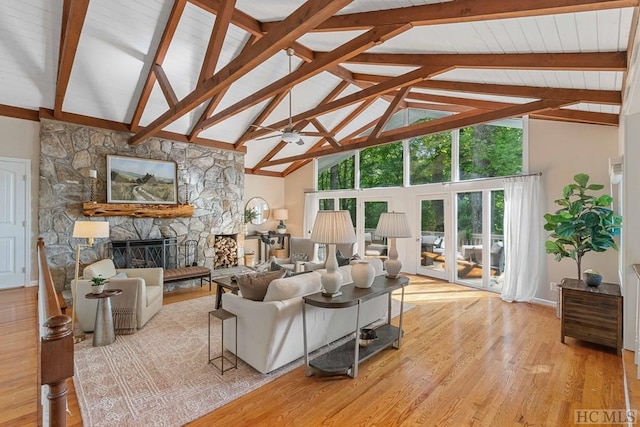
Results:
x,y
584,222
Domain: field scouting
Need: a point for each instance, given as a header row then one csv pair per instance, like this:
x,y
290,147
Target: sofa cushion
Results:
x,y
104,268
254,286
299,257
153,293
299,285
342,260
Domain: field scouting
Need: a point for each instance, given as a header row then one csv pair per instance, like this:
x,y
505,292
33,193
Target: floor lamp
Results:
x,y
89,230
332,227
393,225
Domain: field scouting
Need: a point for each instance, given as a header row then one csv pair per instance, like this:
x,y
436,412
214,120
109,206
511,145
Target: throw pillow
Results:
x,y
342,260
121,275
275,266
254,286
299,257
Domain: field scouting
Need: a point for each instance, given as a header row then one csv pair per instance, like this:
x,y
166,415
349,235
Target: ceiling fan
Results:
x,y
289,134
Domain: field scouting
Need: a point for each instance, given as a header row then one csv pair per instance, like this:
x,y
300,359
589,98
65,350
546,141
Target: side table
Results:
x,y
591,313
223,315
223,283
103,331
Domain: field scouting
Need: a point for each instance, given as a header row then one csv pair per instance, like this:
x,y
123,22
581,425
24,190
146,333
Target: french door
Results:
x,y
435,240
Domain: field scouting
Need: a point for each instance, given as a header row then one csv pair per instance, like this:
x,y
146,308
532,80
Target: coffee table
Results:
x,y
223,283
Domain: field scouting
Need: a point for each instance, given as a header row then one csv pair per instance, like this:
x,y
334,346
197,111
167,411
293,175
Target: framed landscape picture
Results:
x,y
133,180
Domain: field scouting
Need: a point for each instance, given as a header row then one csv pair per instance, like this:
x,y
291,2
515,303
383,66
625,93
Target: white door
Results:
x,y
13,223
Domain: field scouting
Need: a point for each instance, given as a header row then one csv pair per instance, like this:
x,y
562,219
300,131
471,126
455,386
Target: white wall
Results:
x,y
630,224
294,187
270,189
561,150
21,139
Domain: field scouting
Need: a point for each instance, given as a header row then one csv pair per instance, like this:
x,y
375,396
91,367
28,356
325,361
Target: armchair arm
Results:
x,y
151,276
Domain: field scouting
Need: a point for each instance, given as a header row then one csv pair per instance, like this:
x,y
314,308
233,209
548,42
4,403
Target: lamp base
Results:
x,y
331,295
389,276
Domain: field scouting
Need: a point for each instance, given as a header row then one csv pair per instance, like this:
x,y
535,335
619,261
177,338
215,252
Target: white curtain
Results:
x,y
311,206
522,219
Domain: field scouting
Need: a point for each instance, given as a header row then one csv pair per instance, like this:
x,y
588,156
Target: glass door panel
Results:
x,y
434,223
374,246
496,249
469,264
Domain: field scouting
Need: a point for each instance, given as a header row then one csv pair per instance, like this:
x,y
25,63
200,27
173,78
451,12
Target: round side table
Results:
x,y
103,331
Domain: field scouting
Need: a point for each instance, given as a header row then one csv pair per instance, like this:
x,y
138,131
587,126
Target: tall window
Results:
x,y
430,158
491,150
381,166
336,172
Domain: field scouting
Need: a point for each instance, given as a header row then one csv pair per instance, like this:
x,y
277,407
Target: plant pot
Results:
x,y
592,279
97,289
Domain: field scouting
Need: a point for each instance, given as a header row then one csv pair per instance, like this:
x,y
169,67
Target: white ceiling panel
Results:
x,y
595,108
495,98
381,70
375,110
326,42
29,42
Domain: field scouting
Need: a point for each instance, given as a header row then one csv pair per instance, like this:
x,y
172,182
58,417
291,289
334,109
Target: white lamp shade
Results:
x,y
90,229
333,227
280,214
393,224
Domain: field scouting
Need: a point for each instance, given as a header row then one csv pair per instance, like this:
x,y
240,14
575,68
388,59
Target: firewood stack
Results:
x,y
226,249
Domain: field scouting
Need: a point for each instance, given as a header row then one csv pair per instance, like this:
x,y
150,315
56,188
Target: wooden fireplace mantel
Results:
x,y
137,210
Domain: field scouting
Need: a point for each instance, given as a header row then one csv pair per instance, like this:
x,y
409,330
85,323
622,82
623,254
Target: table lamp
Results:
x,y
85,230
281,215
331,228
393,225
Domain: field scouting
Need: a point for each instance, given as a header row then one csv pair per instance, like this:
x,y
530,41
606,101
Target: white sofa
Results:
x,y
142,286
270,332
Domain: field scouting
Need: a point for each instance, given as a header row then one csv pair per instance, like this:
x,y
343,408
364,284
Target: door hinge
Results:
x,y
24,223
24,269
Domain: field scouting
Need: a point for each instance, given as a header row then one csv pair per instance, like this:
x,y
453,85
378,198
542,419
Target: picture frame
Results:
x,y
141,181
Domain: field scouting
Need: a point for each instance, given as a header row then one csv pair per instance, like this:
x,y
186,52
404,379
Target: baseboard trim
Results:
x,y
544,302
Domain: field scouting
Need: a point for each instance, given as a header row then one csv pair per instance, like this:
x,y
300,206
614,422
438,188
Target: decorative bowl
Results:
x,y
592,279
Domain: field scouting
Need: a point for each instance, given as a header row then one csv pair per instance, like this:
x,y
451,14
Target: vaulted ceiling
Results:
x,y
216,72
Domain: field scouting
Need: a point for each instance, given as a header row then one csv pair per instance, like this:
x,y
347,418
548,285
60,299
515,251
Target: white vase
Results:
x,y
97,289
362,274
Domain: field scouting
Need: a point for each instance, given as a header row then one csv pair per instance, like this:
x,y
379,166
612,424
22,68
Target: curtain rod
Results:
x,y
491,178
448,182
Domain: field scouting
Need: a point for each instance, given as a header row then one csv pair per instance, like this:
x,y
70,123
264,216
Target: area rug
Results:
x,y
159,376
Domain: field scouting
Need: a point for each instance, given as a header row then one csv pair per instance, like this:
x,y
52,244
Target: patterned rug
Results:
x,y
159,376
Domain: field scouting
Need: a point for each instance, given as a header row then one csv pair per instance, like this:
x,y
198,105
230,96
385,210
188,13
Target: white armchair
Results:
x,y
142,290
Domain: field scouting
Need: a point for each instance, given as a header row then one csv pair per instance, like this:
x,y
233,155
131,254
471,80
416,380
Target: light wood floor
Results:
x,y
467,359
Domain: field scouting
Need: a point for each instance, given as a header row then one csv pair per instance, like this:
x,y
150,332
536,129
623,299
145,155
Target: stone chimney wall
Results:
x,y
210,179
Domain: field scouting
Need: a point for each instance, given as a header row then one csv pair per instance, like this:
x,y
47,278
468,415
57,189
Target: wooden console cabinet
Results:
x,y
591,313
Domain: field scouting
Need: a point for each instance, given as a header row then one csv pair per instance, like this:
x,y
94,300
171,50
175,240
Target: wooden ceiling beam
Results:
x,y
216,40
578,116
610,97
389,85
161,52
165,86
215,101
331,139
438,107
295,166
19,113
322,63
462,11
434,126
592,61
74,13
303,19
257,122
466,102
391,109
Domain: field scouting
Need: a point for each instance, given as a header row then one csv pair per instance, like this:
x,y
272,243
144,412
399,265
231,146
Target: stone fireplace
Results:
x,y
210,179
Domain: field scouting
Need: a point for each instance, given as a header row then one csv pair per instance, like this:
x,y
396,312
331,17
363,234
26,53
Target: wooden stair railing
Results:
x,y
55,347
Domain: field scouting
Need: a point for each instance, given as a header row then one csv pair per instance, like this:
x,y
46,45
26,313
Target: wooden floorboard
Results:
x,y
467,359
18,360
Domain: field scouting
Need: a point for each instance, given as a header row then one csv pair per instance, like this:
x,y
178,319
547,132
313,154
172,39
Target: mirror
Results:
x,y
260,207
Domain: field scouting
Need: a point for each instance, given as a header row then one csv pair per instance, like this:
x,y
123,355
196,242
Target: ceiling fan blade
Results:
x,y
316,134
300,142
267,137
